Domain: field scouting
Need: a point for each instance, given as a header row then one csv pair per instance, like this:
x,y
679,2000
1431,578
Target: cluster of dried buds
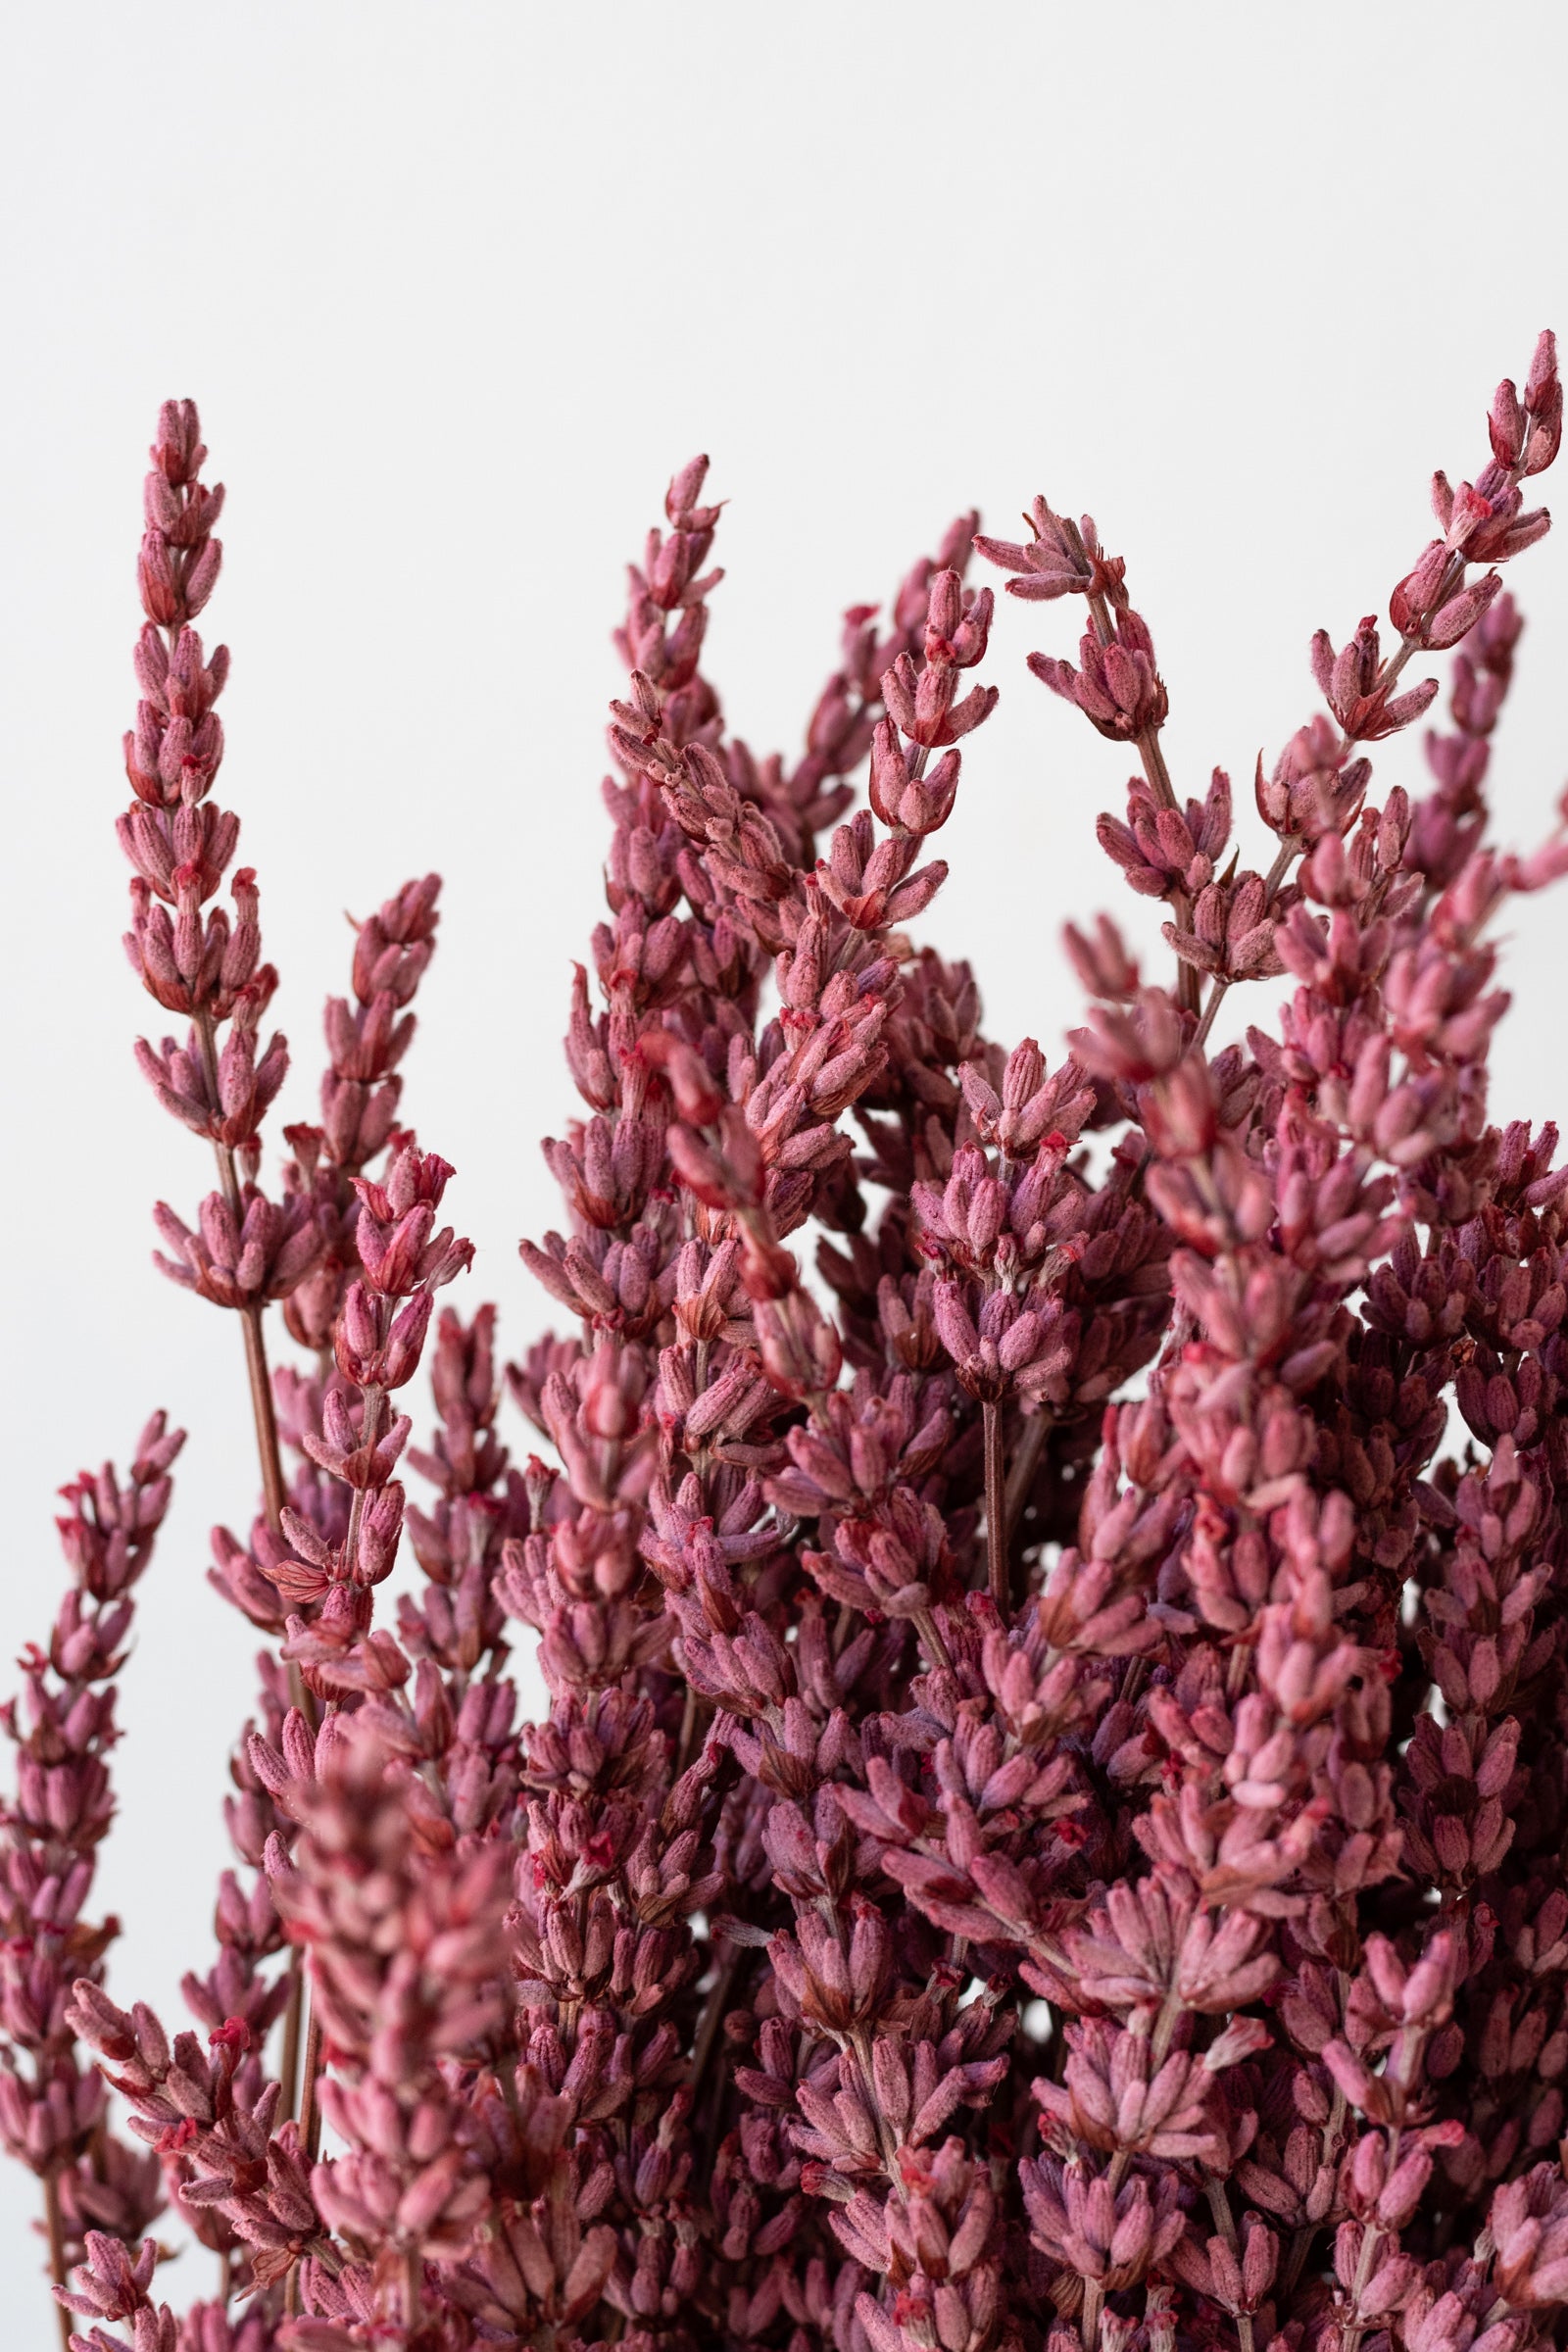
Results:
x,y
1051,1833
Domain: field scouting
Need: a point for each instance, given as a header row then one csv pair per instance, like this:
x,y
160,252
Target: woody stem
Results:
x,y
1025,1462
57,2249
995,1503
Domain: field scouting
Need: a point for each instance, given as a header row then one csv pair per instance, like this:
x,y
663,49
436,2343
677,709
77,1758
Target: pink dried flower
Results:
x,y
1011,1858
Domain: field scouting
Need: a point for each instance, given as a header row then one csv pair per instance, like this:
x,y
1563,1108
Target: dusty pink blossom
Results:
x,y
1048,1824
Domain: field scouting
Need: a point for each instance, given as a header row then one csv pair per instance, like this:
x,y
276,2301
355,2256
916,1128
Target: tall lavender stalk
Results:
x,y
52,2101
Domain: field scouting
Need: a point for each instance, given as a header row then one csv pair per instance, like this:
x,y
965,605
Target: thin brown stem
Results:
x,y
413,2286
1021,1476
996,1505
309,2110
55,2220
293,2018
273,1489
926,1625
713,2018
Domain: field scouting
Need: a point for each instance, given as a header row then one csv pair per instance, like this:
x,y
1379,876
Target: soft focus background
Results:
x,y
457,286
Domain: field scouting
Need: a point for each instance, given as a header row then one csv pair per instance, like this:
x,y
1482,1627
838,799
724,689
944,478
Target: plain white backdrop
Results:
x,y
457,286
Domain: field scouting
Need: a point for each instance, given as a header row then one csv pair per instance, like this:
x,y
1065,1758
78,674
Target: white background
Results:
x,y
457,286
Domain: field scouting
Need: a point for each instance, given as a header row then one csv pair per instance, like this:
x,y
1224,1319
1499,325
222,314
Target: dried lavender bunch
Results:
x,y
1050,1829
